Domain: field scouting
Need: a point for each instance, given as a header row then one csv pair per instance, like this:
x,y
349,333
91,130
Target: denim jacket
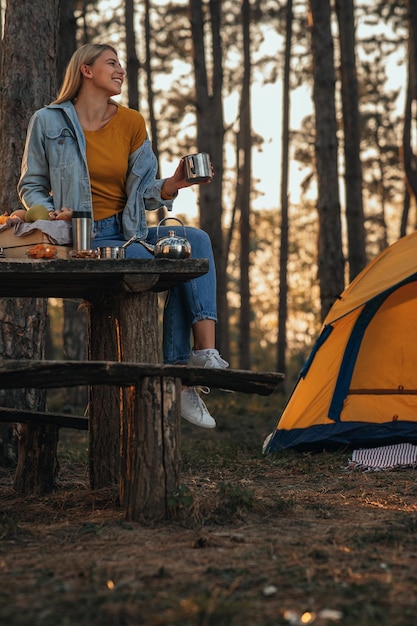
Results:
x,y
55,172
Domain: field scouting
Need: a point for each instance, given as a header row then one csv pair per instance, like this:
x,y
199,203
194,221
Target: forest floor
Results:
x,y
293,538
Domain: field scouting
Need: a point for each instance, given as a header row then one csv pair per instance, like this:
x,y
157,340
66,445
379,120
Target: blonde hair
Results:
x,y
86,55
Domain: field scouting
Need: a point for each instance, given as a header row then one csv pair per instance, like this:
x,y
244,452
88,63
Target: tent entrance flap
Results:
x,y
351,355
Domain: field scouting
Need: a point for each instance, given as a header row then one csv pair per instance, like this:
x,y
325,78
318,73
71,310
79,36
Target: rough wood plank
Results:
x,y
53,374
63,420
86,278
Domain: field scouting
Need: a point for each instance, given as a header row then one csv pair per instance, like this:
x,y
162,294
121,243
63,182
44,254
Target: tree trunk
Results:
x,y
210,138
132,61
151,474
149,83
151,94
37,463
244,191
283,250
352,139
412,38
408,156
330,255
138,317
67,37
21,337
28,82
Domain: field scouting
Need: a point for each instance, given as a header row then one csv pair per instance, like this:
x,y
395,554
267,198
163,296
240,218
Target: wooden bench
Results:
x,y
149,449
134,412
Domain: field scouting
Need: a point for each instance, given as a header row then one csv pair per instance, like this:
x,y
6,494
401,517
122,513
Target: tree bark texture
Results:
x,y
132,61
412,39
23,337
244,194
28,82
67,36
22,328
37,462
351,139
408,156
210,138
284,233
120,329
330,253
151,471
148,67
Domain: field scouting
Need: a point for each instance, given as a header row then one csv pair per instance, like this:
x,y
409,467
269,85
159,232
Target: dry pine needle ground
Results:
x,y
289,539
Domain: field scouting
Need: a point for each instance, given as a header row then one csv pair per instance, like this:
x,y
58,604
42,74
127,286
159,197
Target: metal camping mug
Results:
x,y
81,230
115,252
198,168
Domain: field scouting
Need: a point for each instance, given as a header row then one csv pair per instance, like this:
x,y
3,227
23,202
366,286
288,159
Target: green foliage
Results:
x,y
235,497
181,498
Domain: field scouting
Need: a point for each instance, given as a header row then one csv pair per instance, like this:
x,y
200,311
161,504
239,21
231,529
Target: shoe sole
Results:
x,y
199,424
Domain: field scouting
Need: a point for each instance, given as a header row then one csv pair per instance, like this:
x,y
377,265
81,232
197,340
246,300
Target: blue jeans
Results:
x,y
186,303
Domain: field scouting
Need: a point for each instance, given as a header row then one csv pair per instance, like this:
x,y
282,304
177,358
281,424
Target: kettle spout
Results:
x,y
149,246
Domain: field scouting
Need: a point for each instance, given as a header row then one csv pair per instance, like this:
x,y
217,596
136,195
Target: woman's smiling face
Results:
x,y
106,73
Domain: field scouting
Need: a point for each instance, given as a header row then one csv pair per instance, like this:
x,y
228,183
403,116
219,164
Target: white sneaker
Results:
x,y
208,358
194,410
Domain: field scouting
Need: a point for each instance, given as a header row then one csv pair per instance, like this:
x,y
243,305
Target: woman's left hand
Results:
x,y
63,214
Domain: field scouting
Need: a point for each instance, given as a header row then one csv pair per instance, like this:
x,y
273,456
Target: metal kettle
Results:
x,y
169,247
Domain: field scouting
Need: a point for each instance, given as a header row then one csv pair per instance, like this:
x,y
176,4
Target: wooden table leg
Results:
x,y
151,463
146,458
122,328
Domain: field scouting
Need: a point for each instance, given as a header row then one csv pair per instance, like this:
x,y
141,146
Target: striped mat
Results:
x,y
384,458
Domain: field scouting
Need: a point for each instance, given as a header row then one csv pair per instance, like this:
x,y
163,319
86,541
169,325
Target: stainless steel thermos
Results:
x,y
81,230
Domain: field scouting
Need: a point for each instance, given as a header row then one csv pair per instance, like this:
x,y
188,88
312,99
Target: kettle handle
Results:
x,y
169,218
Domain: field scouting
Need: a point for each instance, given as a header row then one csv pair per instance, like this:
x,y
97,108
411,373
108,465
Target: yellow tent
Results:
x,y
359,384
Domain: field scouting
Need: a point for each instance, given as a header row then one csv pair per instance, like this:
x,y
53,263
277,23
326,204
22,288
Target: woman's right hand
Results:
x,y
178,180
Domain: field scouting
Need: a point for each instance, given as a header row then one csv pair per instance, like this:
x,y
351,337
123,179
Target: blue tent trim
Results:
x,y
352,350
342,434
349,434
324,335
350,356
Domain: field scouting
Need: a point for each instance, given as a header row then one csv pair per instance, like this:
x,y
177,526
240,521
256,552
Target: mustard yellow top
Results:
x,y
108,151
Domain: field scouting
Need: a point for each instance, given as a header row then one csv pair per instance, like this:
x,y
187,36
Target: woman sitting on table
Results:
x,y
85,152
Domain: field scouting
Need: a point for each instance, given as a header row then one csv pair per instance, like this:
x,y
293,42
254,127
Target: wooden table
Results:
x,y
86,278
123,327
